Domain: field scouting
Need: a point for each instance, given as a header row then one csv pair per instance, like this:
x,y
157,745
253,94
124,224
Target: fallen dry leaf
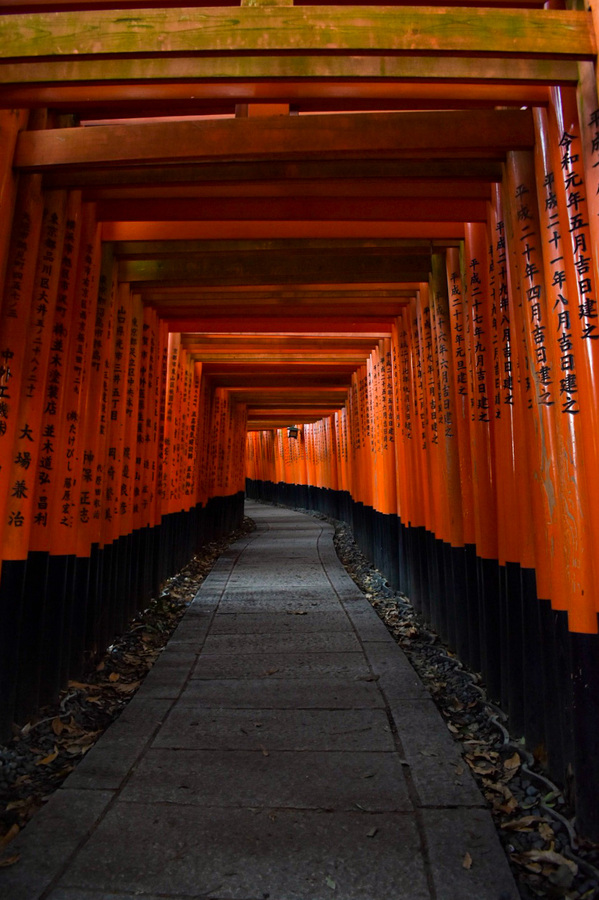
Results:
x,y
528,864
57,726
513,762
467,861
523,824
127,688
82,686
551,857
10,835
546,831
9,861
47,759
114,676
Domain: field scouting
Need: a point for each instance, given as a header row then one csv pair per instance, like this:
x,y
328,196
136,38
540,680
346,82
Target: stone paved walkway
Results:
x,y
282,748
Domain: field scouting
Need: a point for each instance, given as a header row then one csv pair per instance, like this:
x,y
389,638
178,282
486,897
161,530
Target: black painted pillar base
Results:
x,y
489,622
28,672
585,682
12,583
55,631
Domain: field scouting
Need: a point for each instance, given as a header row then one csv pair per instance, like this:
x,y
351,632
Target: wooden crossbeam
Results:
x,y
336,326
274,229
283,376
330,30
13,5
182,248
276,171
329,209
366,135
268,77
93,89
338,191
305,358
292,268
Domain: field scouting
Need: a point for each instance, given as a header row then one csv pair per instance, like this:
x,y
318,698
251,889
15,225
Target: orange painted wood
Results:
x,y
197,230
460,354
376,209
481,398
26,453
292,325
578,358
54,491
11,122
73,475
16,316
447,430
514,525
539,387
91,528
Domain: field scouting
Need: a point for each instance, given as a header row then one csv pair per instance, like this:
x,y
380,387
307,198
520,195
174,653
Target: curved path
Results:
x,y
282,748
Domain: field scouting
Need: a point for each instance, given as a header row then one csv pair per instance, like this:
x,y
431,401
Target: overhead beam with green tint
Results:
x,y
303,29
371,135
291,268
230,70
171,249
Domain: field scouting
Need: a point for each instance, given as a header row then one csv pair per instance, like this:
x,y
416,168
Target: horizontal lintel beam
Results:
x,y
230,77
408,134
330,209
337,268
235,325
305,29
369,171
196,230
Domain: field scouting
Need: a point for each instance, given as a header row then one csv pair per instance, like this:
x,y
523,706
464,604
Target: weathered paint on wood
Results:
x,y
303,68
279,269
144,249
302,28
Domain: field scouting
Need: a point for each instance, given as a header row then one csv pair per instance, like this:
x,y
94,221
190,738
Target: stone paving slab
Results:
x,y
336,642
109,762
282,665
451,833
439,773
292,780
248,601
298,693
50,840
280,729
81,894
298,577
394,674
279,623
288,855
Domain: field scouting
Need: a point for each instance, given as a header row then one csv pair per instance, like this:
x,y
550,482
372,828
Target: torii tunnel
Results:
x,y
376,224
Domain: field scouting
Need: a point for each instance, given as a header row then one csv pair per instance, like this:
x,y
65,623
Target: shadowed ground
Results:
x,y
282,748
